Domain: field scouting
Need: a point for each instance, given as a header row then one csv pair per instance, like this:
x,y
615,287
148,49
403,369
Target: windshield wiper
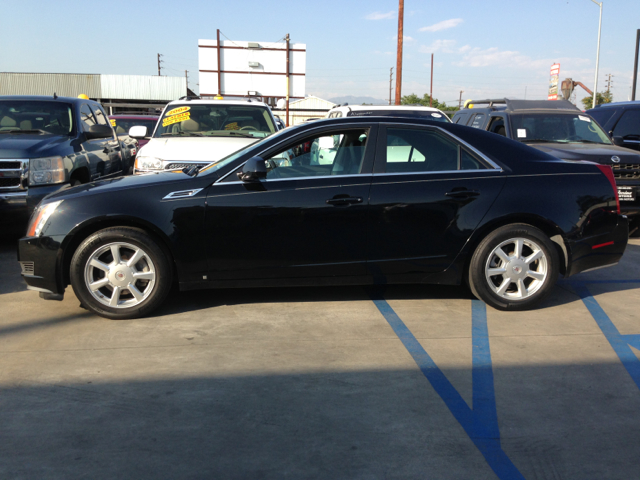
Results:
x,y
188,134
17,130
540,140
587,141
242,134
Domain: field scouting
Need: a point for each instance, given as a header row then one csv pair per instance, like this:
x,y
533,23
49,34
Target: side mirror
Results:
x,y
619,141
99,131
253,171
138,132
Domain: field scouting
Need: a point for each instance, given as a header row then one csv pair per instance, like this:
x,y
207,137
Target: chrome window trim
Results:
x,y
437,172
304,178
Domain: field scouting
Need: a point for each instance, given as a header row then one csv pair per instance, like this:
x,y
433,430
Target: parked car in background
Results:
x,y
122,124
559,128
194,133
412,111
622,121
401,201
49,143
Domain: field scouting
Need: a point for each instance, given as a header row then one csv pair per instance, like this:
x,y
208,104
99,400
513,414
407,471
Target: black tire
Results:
x,y
154,264
485,261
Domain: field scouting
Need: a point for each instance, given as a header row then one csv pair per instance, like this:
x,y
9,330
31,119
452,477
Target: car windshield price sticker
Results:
x,y
180,117
626,193
177,111
522,133
113,122
584,119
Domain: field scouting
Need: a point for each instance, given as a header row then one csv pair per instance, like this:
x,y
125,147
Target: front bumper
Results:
x,y
14,204
40,259
599,251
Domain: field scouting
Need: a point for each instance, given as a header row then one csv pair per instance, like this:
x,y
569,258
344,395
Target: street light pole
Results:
x,y
595,86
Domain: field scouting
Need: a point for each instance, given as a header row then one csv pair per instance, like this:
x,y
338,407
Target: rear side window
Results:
x,y
629,124
478,120
416,150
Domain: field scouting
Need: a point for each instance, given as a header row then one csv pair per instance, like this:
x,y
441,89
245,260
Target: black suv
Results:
x,y
621,120
559,128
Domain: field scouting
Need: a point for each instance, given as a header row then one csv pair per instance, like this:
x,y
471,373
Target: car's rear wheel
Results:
x,y
120,273
514,267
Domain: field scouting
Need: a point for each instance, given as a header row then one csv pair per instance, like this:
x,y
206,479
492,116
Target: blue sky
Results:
x,y
489,48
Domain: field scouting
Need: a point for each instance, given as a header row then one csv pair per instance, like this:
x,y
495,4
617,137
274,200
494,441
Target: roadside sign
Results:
x,y
553,82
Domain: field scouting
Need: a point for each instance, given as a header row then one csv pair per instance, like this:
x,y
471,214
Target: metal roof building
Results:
x,y
108,89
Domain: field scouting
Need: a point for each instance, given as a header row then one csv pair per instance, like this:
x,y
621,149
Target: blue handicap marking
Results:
x,y
621,344
480,422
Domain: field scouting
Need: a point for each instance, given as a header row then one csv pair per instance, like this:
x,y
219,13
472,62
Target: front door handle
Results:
x,y
462,193
339,200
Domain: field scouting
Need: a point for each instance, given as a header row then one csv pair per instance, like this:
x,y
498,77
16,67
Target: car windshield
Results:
x,y
216,120
122,125
561,128
35,116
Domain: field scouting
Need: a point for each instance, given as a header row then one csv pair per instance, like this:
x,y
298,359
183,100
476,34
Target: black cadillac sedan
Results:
x,y
373,200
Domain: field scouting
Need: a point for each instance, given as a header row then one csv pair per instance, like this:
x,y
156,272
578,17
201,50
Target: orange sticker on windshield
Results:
x,y
176,118
177,111
231,126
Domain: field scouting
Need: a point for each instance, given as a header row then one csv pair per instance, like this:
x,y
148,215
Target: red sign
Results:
x,y
555,69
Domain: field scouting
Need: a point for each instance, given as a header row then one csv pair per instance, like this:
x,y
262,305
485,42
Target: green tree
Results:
x,y
604,97
414,99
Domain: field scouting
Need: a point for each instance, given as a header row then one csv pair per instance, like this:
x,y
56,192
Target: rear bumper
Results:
x,y
600,250
40,261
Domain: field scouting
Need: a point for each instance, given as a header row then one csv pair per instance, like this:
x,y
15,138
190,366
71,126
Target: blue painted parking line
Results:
x,y
480,422
621,344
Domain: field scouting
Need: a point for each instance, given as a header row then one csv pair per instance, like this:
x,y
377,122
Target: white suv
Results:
x,y
200,132
413,111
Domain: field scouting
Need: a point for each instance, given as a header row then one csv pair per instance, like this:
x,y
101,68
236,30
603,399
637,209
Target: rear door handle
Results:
x,y
462,193
337,201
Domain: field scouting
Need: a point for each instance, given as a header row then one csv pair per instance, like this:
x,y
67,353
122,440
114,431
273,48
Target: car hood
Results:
x,y
209,149
584,151
30,146
113,185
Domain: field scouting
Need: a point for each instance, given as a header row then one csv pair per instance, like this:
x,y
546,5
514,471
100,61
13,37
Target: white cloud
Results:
x,y
381,16
445,24
446,46
478,57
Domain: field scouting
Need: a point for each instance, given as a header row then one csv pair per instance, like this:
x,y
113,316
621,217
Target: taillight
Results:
x,y
608,172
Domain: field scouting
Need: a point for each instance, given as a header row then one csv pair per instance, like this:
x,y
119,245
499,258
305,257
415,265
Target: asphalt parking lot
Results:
x,y
347,382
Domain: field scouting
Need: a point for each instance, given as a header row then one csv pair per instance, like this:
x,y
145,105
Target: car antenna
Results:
x,y
54,95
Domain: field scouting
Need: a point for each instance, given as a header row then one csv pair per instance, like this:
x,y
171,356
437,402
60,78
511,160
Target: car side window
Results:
x,y
99,115
86,117
340,152
497,126
416,150
478,120
629,124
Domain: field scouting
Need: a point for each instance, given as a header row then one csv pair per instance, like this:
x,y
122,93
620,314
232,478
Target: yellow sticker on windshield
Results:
x,y
113,122
177,111
176,118
231,126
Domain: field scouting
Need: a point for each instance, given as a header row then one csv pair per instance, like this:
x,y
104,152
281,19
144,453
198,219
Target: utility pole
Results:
x,y
399,53
186,77
595,86
635,67
390,80
609,81
159,62
431,88
460,101
287,39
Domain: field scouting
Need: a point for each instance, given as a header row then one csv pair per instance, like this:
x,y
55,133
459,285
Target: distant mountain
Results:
x,y
353,100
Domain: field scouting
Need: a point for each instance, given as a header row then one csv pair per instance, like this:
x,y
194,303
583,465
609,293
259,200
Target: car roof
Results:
x,y
48,98
630,103
249,102
385,107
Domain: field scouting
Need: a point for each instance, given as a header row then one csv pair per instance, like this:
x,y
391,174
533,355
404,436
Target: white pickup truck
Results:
x,y
199,132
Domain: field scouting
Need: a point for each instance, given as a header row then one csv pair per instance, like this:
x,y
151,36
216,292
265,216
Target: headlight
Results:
x,y
40,217
148,163
46,170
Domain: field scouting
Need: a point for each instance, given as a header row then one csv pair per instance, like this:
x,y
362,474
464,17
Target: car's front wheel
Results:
x,y
514,267
120,273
